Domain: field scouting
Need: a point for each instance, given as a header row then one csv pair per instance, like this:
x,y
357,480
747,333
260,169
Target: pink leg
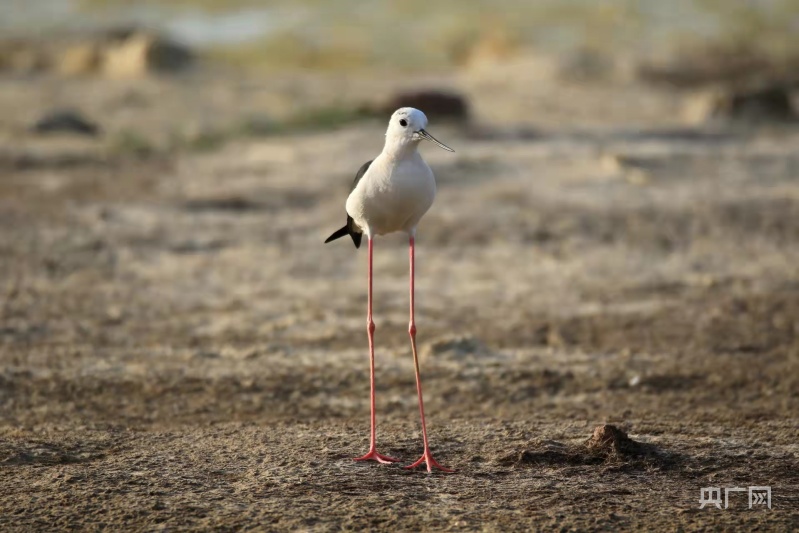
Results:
x,y
370,328
426,457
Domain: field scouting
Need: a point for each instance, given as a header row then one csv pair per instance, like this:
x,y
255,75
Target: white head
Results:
x,y
407,129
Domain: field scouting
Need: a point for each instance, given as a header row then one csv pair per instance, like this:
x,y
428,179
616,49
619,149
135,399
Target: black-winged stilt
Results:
x,y
392,193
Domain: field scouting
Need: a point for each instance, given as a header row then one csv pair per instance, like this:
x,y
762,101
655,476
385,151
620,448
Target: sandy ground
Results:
x,y
179,350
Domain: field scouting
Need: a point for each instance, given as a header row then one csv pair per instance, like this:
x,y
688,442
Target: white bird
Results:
x,y
392,193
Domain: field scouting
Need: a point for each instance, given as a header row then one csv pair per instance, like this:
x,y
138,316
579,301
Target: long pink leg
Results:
x,y
370,328
426,457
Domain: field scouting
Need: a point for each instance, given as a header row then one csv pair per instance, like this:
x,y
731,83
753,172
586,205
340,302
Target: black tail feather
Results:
x,y
350,229
338,234
356,238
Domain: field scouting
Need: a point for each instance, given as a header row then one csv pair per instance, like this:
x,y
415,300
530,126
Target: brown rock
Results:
x,y
122,53
769,104
136,54
78,59
766,104
436,104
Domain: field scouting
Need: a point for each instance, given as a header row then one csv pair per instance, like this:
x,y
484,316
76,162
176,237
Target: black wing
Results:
x,y
351,228
359,175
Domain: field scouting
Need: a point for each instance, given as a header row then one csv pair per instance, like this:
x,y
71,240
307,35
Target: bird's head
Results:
x,y
407,126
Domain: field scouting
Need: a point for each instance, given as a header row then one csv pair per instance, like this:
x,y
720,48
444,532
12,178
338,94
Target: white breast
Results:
x,y
392,197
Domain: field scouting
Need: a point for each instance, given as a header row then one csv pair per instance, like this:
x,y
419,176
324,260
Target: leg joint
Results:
x,y
412,329
370,326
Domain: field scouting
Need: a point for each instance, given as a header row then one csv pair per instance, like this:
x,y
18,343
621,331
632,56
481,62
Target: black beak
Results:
x,y
426,136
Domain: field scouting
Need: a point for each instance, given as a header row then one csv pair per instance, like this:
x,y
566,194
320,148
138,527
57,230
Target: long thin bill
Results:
x,y
429,137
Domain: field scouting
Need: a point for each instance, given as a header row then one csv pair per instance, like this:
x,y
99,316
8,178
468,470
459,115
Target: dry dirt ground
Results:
x,y
179,350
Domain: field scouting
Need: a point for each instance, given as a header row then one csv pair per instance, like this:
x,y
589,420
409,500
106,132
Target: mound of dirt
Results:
x,y
608,445
608,440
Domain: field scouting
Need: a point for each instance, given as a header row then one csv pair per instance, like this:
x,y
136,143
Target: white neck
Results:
x,y
399,148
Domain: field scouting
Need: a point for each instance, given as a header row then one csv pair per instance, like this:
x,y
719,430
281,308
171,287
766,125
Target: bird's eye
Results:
x,y
403,122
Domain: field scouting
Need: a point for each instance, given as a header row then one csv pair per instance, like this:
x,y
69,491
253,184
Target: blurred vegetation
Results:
x,y
207,139
291,48
409,34
412,33
322,118
770,28
206,5
132,142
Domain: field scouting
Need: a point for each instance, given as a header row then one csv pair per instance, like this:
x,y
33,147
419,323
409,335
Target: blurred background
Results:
x,y
615,240
259,67
415,35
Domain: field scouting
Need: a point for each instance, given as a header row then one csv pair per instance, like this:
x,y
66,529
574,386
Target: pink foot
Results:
x,y
374,456
427,458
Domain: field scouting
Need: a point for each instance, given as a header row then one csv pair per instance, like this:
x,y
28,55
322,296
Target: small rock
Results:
x,y
114,315
65,121
436,104
763,105
454,347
